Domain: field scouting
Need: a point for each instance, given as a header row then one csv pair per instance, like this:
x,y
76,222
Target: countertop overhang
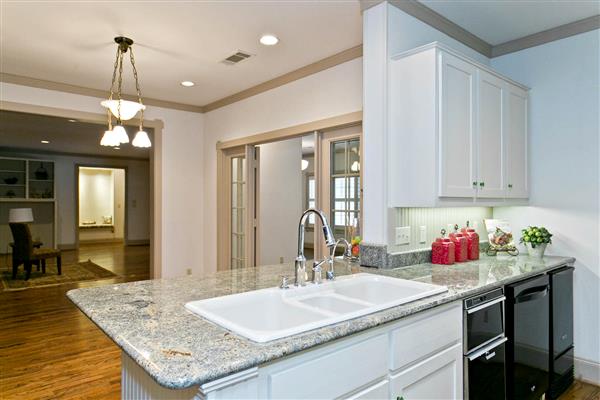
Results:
x,y
178,349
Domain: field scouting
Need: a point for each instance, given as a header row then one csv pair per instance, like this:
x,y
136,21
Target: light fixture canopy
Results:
x,y
141,139
269,40
118,107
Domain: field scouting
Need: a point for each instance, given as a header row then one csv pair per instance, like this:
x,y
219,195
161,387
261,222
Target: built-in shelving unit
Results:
x,y
26,179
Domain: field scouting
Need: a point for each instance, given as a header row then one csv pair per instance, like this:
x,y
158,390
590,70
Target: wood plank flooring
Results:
x,y
50,350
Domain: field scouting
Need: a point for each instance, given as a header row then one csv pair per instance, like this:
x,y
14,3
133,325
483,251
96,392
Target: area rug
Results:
x,y
82,271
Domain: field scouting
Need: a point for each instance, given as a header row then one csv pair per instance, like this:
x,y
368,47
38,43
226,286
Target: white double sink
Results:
x,y
273,313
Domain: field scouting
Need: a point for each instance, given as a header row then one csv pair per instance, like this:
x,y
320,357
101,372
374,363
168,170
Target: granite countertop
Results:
x,y
147,319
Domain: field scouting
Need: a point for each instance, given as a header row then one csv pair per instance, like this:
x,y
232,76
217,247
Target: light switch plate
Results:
x,y
403,235
422,234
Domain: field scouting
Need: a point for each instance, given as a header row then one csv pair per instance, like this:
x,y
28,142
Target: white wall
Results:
x,y
119,204
387,31
281,201
181,163
564,130
335,91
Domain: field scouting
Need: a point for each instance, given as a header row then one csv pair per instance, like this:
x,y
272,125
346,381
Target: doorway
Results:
x,y
101,200
265,187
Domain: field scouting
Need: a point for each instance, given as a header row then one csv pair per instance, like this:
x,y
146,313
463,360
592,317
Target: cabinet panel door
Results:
x,y
516,132
438,377
457,127
490,136
379,391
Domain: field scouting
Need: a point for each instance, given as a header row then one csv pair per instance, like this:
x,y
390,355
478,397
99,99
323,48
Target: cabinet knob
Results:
x,y
510,185
400,398
481,184
474,183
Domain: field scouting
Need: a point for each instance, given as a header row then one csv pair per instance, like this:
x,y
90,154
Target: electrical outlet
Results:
x,y
422,234
403,235
188,271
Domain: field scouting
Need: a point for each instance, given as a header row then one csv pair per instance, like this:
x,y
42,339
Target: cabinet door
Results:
x,y
517,185
457,127
490,135
437,377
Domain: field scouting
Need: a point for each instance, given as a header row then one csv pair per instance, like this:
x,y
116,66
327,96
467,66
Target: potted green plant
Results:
x,y
536,239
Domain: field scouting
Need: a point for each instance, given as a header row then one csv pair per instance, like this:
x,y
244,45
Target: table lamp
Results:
x,y
20,215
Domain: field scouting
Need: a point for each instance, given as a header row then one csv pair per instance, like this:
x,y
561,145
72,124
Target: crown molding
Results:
x,y
318,66
550,35
443,24
85,91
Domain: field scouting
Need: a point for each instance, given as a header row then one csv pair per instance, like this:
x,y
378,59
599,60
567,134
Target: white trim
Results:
x,y
587,371
228,380
441,46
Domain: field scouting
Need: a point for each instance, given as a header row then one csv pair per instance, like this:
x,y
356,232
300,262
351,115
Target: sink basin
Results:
x,y
269,314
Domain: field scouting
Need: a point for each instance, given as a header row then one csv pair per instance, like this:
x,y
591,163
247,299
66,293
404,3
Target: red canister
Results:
x,y
460,245
472,242
442,250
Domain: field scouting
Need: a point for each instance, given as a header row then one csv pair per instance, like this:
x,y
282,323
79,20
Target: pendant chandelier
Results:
x,y
121,109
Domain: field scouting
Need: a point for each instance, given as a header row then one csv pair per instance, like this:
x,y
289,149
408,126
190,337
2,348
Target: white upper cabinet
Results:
x,y
457,127
516,143
490,136
457,132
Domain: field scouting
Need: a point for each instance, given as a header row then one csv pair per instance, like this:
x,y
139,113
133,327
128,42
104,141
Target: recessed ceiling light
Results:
x,y
187,83
45,141
72,120
269,40
117,148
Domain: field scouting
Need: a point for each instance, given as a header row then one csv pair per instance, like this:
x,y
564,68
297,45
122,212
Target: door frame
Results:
x,y
126,197
156,204
235,146
326,140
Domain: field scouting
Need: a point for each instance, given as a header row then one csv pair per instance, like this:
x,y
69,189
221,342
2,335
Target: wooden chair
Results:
x,y
25,253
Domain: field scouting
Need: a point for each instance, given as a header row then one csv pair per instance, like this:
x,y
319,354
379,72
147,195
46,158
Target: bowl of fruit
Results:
x,y
355,246
536,239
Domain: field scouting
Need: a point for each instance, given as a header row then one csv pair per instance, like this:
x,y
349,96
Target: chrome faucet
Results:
x,y
300,263
347,255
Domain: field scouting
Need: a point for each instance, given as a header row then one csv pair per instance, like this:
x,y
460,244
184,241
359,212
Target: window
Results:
x,y
238,196
345,187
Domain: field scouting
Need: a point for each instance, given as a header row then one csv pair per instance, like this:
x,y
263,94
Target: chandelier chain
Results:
x,y
137,85
120,84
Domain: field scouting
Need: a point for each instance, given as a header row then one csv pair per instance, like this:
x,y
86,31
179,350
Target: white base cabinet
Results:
x,y
457,132
419,357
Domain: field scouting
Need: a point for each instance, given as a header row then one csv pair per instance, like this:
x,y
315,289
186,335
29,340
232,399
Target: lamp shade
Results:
x,y
141,139
16,215
127,110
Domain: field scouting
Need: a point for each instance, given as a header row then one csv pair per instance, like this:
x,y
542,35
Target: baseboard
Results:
x,y
587,371
101,241
138,242
67,246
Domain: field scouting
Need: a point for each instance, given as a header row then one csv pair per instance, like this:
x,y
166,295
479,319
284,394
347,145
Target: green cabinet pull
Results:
x,y
510,185
400,398
474,183
481,184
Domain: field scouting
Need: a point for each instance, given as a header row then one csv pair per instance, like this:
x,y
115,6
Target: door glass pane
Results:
x,y
345,188
237,211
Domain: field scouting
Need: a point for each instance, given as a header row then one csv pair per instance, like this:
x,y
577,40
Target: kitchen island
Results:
x,y
190,357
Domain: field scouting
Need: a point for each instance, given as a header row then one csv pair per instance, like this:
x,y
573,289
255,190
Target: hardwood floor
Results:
x,y
50,350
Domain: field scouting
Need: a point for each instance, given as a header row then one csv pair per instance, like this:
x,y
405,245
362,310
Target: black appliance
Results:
x,y
484,346
561,331
528,346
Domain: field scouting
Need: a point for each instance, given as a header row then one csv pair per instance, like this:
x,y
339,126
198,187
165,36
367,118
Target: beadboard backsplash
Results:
x,y
434,219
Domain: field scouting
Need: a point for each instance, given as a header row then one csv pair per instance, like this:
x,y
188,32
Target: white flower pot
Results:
x,y
537,251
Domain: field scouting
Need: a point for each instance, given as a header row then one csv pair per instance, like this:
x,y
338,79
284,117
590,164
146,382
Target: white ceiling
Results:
x,y
500,21
72,42
26,131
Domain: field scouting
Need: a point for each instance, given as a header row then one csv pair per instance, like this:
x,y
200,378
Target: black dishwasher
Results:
x,y
528,346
